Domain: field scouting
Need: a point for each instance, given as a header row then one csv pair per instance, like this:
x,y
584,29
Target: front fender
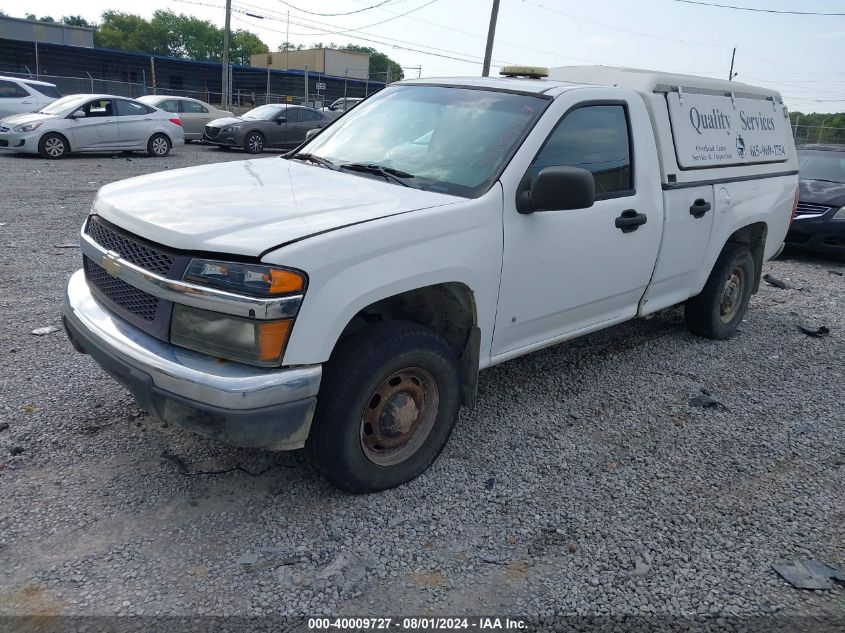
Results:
x,y
355,266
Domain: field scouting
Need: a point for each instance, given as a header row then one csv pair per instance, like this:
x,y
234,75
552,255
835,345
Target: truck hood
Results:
x,y
822,192
251,206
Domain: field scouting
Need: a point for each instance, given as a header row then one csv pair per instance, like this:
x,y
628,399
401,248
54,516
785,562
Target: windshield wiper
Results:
x,y
318,160
388,173
838,182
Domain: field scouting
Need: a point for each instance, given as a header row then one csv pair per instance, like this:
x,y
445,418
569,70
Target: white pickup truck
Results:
x,y
344,297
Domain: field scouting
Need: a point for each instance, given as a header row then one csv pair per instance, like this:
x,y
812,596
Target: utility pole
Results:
x,y
491,33
224,97
731,73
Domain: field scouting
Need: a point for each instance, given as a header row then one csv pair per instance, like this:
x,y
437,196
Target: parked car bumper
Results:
x,y
820,234
224,140
227,401
26,142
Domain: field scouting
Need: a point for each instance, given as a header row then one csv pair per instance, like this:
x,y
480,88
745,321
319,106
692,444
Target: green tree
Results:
x,y
77,20
174,35
44,18
288,46
244,45
124,31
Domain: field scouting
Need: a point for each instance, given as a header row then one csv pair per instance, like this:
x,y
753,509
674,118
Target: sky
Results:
x,y
799,55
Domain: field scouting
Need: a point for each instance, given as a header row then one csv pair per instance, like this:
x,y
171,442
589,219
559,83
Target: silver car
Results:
x,y
195,114
341,106
91,123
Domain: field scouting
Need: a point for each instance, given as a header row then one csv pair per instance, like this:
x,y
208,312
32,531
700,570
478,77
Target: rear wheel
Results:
x,y
389,399
158,145
254,143
718,309
53,146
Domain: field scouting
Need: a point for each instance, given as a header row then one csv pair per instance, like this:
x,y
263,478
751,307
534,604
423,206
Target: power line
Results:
x,y
330,15
357,37
628,31
416,19
396,17
757,10
387,41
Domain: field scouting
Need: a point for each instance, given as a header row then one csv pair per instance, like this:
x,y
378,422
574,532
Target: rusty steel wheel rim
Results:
x,y
732,295
399,416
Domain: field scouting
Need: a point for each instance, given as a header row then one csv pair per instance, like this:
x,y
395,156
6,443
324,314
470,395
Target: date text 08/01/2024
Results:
x,y
416,624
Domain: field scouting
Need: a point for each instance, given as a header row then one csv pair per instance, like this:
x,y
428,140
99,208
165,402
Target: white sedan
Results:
x,y
92,123
195,114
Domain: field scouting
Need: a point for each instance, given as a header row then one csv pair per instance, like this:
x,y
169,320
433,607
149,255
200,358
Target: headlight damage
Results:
x,y
250,341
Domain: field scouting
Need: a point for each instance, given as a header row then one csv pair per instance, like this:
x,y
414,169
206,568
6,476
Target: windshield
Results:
x,y
65,105
822,165
264,113
452,140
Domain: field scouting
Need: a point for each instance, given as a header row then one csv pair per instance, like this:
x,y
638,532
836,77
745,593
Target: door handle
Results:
x,y
630,220
699,208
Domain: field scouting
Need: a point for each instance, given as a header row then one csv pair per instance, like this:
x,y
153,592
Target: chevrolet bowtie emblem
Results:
x,y
111,264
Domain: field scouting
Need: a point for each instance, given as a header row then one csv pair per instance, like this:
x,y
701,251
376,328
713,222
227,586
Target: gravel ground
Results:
x,y
585,483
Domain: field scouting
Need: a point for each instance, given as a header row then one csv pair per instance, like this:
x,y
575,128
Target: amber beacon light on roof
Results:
x,y
532,72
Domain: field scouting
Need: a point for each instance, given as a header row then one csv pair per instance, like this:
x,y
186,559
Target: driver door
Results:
x,y
565,272
98,129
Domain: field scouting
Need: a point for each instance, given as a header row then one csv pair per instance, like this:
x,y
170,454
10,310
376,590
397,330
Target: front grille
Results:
x,y
4,143
211,132
128,297
806,209
131,249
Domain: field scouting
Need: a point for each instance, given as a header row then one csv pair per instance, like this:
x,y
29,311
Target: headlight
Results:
x,y
27,127
254,342
251,279
232,128
839,215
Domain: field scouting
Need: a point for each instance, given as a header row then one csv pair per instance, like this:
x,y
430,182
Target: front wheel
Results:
x,y
389,399
53,146
158,146
718,309
254,143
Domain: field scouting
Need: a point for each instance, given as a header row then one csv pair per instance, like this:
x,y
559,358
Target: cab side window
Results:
x,y
130,108
169,105
99,107
192,107
292,114
11,90
310,115
595,138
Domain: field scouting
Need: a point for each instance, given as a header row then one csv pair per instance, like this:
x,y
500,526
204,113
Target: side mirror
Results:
x,y
558,188
312,132
281,120
79,114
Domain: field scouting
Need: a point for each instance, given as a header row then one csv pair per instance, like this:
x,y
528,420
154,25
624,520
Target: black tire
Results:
x,y
53,146
719,308
254,143
361,366
158,146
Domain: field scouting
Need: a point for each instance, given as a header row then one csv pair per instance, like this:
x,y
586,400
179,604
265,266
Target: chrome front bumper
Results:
x,y
228,401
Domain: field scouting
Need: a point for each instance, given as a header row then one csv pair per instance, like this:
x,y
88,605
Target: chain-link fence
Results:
x,y
805,134
240,97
